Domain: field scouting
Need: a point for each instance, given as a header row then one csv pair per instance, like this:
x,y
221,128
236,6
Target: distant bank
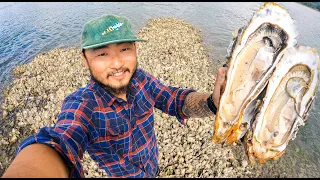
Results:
x,y
312,5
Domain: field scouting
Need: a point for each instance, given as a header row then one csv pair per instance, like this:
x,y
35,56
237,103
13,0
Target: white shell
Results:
x,y
229,117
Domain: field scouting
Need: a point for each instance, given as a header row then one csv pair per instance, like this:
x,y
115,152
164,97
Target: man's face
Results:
x,y
112,65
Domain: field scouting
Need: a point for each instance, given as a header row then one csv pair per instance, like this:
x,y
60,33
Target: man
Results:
x,y
112,117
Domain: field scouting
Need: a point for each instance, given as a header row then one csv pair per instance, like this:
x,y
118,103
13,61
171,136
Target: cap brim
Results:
x,y
112,42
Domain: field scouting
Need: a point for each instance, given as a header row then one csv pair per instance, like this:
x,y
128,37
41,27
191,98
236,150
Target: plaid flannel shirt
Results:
x,y
117,134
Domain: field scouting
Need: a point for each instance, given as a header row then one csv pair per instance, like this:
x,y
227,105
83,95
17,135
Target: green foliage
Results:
x,y
314,5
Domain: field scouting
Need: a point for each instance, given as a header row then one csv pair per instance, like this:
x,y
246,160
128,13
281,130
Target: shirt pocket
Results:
x,y
143,107
118,127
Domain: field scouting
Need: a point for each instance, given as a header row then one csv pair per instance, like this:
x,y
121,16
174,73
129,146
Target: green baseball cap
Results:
x,y
107,29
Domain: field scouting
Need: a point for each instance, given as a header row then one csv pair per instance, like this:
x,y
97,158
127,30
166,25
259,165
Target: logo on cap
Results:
x,y
112,28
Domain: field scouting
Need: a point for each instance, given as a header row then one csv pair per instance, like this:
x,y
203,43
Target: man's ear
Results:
x,y
85,61
136,45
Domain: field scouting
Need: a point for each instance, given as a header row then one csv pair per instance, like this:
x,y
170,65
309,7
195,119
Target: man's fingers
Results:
x,y
221,75
220,78
224,83
219,85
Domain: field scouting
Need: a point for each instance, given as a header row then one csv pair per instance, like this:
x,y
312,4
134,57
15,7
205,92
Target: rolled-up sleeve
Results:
x,y
169,99
69,136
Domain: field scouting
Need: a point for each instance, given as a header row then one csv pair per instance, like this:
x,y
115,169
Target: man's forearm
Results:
x,y
196,105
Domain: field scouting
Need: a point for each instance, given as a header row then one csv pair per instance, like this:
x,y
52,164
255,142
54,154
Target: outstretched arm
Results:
x,y
37,160
57,151
196,103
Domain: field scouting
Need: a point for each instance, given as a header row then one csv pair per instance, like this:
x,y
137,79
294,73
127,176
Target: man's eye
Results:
x,y
102,54
124,49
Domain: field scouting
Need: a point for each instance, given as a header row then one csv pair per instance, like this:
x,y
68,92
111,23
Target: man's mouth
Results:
x,y
118,73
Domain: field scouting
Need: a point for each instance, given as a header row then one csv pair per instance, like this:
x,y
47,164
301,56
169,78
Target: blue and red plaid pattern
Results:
x,y
117,134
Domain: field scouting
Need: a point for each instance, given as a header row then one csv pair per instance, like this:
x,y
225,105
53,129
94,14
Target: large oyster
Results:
x,y
289,94
252,60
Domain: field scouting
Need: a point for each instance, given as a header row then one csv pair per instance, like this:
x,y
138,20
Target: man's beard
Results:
x,y
120,90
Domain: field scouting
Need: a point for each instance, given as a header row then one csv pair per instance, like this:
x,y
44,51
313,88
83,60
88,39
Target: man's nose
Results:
x,y
117,62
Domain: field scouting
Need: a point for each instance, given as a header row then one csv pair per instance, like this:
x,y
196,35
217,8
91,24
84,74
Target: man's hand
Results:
x,y
37,161
219,85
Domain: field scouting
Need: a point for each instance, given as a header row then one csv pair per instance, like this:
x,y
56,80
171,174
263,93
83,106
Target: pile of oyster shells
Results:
x,y
175,55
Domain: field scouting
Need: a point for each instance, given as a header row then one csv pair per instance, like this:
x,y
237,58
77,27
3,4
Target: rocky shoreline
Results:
x,y
175,55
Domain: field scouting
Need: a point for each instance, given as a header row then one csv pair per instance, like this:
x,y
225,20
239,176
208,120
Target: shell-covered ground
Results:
x,y
174,53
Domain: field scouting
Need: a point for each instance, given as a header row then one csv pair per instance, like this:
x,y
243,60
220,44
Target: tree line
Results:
x,y
314,5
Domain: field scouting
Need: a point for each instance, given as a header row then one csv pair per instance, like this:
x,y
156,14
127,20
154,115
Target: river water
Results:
x,y
28,28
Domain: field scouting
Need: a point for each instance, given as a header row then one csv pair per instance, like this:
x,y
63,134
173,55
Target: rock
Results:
x,y
13,139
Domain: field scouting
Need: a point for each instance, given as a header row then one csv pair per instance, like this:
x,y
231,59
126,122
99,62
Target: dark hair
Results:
x,y
83,53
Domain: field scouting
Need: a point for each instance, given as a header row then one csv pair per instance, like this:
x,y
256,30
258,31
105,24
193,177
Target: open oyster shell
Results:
x,y
286,104
252,57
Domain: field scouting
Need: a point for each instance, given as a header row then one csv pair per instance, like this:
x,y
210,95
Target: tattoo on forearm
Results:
x,y
196,105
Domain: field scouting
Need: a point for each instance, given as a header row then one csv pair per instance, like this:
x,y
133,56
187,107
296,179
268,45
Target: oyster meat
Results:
x,y
252,59
289,95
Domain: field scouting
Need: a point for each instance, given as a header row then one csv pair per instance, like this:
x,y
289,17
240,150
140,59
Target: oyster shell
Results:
x,y
289,95
252,58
